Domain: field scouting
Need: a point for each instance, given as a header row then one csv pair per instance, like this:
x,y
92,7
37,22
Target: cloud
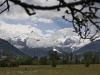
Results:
x,y
50,31
15,14
36,38
56,39
35,25
67,31
43,42
19,46
17,30
44,20
34,35
19,12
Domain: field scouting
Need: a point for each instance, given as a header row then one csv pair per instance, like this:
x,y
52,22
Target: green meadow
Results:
x,y
94,69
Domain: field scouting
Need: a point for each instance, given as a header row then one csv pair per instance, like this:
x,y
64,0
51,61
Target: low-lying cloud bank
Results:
x,y
35,36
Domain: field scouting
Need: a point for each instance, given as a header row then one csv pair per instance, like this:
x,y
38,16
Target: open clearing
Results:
x,y
48,70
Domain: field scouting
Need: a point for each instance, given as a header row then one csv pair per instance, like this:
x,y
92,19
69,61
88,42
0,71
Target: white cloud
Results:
x,y
56,39
19,46
35,37
19,12
44,20
50,31
17,30
16,12
67,31
35,24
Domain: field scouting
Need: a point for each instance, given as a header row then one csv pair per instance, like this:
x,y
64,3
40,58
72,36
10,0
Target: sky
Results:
x,y
46,26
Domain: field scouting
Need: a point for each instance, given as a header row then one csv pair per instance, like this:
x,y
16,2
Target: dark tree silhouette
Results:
x,y
53,57
82,18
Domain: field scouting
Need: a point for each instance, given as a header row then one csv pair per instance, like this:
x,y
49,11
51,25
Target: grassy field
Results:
x,y
48,70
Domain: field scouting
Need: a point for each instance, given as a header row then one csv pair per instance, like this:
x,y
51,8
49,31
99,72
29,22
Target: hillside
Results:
x,y
7,49
91,47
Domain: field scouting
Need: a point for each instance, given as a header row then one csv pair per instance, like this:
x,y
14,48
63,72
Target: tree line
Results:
x,y
54,58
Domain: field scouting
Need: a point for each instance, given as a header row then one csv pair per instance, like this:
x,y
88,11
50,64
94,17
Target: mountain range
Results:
x,y
41,51
69,45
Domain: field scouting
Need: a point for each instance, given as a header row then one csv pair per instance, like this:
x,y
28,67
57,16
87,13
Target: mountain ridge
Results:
x,y
9,48
91,47
42,51
67,46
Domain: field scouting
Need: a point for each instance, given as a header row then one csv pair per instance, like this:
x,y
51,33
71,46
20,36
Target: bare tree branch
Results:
x,y
32,6
79,23
7,8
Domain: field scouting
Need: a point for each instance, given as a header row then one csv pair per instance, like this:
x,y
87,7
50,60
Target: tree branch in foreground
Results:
x,y
82,19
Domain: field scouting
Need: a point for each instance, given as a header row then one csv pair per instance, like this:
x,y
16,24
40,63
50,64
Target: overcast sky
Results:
x,y
48,26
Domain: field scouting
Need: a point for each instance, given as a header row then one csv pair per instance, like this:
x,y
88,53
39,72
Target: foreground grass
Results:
x,y
48,70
